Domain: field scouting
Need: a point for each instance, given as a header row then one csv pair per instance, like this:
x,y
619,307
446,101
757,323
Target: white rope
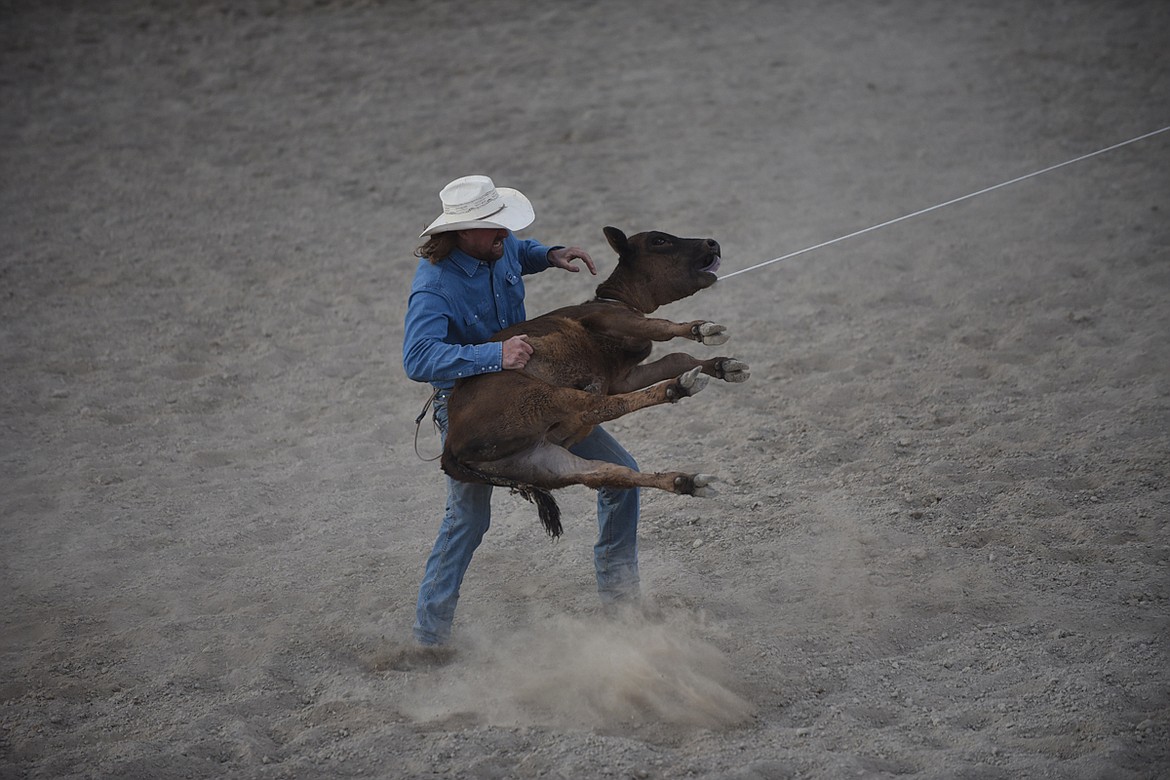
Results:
x,y
948,203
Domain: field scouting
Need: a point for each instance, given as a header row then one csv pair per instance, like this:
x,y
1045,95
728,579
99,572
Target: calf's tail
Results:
x,y
546,505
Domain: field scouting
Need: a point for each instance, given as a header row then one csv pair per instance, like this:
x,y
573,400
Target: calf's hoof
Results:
x,y
688,384
711,334
697,485
732,370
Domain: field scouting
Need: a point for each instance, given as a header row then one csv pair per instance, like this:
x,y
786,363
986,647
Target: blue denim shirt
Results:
x,y
457,304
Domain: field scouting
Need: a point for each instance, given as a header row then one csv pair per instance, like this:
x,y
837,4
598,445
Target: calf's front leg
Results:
x,y
634,329
703,331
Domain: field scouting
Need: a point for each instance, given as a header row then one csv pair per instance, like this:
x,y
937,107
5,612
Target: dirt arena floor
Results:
x,y
940,548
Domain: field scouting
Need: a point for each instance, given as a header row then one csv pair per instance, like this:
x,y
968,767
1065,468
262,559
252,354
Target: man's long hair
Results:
x,y
437,246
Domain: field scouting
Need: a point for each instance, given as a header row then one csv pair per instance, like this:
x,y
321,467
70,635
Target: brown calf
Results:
x,y
514,428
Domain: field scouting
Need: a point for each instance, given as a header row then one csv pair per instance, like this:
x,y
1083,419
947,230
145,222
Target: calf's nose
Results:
x,y
713,245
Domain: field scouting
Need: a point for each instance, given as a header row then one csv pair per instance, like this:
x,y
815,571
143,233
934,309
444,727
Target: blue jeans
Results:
x,y
468,515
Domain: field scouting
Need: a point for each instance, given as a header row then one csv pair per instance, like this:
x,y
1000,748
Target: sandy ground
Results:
x,y
941,546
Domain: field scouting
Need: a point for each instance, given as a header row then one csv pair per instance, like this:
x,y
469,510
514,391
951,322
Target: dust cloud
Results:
x,y
590,672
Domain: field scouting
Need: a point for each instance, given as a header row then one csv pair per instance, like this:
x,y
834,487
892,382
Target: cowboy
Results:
x,y
467,288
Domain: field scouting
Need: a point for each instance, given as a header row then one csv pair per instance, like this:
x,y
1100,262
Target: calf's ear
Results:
x,y
617,239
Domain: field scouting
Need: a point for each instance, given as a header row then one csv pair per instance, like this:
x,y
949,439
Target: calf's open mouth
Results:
x,y
713,266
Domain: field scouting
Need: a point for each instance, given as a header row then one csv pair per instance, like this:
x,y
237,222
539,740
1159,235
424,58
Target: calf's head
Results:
x,y
656,268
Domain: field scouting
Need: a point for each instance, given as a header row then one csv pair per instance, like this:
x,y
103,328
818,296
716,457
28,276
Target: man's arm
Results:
x,y
426,355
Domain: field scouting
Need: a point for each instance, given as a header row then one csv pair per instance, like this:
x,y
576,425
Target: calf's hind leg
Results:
x,y
593,409
551,466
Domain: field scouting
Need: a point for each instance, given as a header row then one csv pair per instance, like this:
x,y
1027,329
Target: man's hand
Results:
x,y
564,257
517,351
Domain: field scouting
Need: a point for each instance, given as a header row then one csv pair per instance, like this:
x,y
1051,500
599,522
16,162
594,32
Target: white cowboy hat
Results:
x,y
475,202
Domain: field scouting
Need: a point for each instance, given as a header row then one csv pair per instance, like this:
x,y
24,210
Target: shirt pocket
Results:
x,y
514,295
